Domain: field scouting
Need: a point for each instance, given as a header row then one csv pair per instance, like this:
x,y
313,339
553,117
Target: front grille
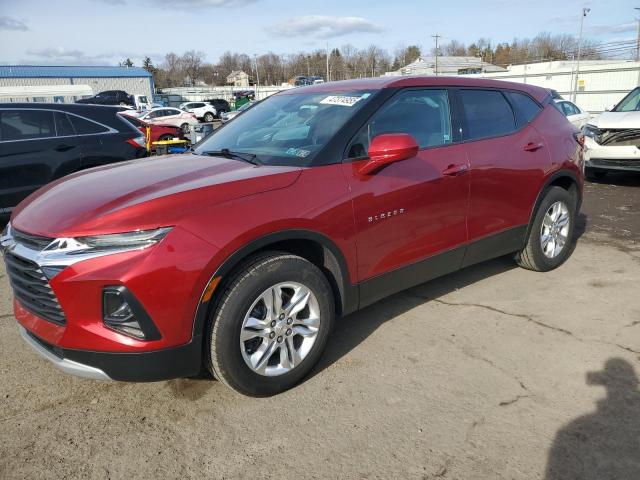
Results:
x,y
606,162
620,137
31,288
34,242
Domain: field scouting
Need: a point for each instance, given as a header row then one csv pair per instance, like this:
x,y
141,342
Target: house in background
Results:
x,y
238,78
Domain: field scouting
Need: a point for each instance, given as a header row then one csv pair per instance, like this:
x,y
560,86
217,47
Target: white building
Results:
x,y
30,83
446,66
601,83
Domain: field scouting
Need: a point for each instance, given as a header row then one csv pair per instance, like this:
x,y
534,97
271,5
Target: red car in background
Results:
x,y
157,132
314,203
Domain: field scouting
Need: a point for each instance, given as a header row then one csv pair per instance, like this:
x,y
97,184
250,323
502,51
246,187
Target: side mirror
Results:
x,y
387,149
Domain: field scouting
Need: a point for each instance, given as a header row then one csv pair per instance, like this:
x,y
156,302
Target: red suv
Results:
x,y
315,203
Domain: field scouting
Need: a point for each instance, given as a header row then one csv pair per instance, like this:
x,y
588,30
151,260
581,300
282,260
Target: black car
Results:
x,y
109,97
219,104
41,142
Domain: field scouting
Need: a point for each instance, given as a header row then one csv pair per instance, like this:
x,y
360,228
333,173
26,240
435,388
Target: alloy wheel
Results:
x,y
279,329
554,232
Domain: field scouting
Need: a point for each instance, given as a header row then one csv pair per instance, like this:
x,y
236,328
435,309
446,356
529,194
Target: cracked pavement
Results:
x,y
493,372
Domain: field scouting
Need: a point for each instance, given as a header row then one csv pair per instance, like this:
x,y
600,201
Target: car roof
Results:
x,y
68,107
379,83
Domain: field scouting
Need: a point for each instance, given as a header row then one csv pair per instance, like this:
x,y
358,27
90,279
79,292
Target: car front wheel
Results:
x,y
550,240
271,324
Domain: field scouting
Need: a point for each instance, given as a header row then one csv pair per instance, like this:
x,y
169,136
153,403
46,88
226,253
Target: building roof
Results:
x,y
447,65
35,71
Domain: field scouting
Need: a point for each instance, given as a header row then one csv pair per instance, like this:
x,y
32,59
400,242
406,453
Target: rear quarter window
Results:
x,y
525,107
86,127
487,114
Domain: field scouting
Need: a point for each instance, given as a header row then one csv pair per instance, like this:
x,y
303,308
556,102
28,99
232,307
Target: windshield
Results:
x,y
630,103
287,129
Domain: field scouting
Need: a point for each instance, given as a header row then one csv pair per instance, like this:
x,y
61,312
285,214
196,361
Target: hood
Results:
x,y
142,194
613,120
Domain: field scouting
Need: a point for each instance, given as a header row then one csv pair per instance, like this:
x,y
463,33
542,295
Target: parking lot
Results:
x,y
492,372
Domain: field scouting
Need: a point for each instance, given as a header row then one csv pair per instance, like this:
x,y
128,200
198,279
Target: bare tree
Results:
x,y
192,65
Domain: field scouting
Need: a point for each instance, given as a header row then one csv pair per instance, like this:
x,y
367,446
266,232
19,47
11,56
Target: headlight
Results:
x,y
137,239
592,132
98,245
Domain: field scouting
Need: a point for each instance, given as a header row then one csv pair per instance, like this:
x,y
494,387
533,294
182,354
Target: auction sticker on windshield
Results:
x,y
343,100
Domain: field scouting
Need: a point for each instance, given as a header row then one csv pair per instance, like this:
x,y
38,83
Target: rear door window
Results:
x,y
487,114
569,109
525,107
26,124
63,125
423,114
86,127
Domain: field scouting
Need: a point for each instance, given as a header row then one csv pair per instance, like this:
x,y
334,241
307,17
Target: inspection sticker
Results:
x,y
298,152
343,100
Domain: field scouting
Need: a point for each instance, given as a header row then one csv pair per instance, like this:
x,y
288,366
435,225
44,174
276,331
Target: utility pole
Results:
x,y
638,39
575,86
255,59
327,62
436,36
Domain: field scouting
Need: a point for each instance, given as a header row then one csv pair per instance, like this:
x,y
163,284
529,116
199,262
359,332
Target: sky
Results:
x,y
105,32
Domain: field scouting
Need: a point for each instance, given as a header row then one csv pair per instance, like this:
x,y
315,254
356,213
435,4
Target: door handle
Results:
x,y
64,148
532,147
453,170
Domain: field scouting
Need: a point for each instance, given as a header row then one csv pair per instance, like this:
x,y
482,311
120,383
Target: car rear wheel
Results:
x,y
550,240
270,325
208,117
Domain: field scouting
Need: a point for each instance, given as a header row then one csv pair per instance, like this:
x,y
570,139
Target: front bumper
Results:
x,y
607,157
167,280
183,361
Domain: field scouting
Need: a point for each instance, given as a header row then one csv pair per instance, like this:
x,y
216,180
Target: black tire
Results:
x,y
532,256
592,174
208,117
165,137
224,357
185,128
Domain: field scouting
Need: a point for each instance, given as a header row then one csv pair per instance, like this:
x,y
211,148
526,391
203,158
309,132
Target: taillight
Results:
x,y
138,142
579,136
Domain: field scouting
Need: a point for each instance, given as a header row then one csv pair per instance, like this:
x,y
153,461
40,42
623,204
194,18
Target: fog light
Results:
x,y
123,313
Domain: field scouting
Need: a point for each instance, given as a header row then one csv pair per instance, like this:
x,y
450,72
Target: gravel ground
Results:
x,y
490,373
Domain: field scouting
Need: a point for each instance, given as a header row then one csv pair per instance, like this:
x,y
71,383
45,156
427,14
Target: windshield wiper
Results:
x,y
245,157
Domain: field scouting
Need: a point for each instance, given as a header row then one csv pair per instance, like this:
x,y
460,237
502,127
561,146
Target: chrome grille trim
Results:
x,y
31,288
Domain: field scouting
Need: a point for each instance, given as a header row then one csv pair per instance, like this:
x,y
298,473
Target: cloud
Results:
x,y
187,3
8,23
64,56
607,29
323,26
204,3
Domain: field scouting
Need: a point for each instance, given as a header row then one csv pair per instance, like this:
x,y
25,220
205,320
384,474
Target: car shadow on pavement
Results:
x,y
619,179
353,329
604,444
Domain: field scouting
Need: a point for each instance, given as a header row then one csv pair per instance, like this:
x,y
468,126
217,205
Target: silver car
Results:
x,y
228,116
